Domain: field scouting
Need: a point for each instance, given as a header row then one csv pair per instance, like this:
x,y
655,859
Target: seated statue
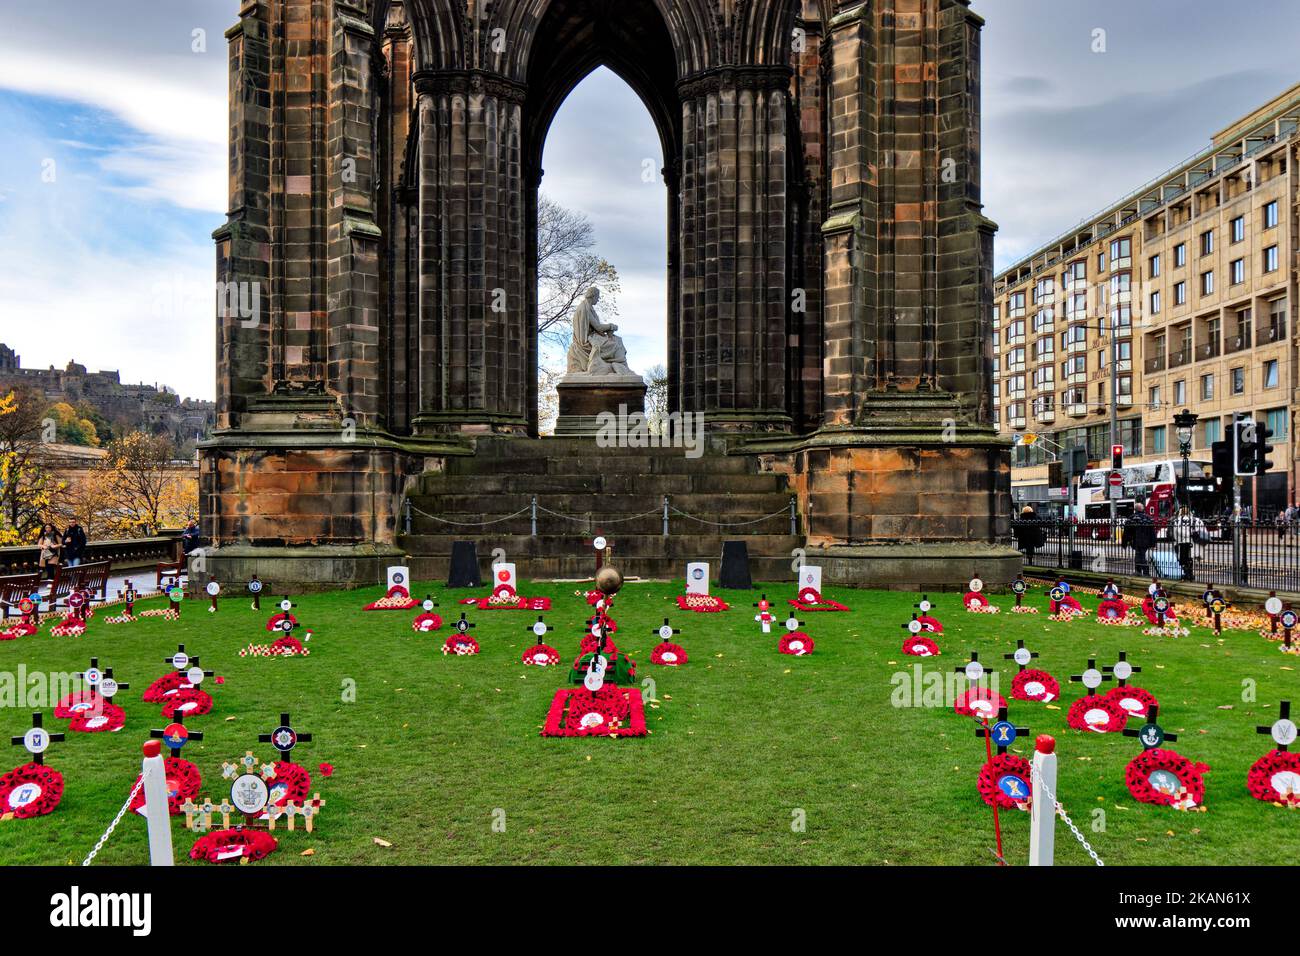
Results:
x,y
595,349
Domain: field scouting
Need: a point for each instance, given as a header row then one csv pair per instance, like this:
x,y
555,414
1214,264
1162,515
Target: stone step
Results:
x,y
457,505
602,460
692,547
645,487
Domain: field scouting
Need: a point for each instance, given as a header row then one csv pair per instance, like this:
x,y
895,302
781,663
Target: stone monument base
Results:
x,y
583,399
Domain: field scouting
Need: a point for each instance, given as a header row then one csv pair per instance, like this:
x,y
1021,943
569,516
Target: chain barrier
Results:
x,y
1060,812
116,820
784,512
589,519
472,524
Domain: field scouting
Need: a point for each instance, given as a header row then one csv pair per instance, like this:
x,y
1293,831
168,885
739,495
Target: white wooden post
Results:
x,y
155,805
1042,811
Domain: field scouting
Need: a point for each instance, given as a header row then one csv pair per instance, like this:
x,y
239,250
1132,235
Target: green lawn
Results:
x,y
742,737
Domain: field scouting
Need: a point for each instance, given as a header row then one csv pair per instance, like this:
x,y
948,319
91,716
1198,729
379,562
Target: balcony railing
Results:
x,y
1270,334
1181,357
1046,416
1077,378
1207,350
1076,409
1155,363
1017,422
1076,348
1235,343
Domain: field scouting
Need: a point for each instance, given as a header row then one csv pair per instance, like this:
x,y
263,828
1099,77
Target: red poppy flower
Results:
x,y
668,654
188,702
183,783
1134,700
223,846
930,624
461,645
541,655
15,631
978,701
1166,778
426,622
1113,609
326,769
1275,777
1033,684
1101,715
994,786
31,790
164,687
107,717
795,643
590,642
919,645
291,784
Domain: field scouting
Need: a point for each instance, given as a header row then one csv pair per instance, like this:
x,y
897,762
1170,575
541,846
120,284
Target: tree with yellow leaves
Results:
x,y
27,490
140,488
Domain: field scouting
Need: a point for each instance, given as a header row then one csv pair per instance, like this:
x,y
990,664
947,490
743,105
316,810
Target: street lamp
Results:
x,y
1184,422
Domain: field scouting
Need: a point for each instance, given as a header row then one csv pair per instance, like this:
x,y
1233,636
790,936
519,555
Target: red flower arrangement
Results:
x,y
541,655
795,643
426,622
183,783
668,654
1134,700
930,624
977,603
188,702
590,641
77,703
1112,609
1275,777
107,717
1101,715
398,598
15,631
275,620
1177,782
164,687
918,645
810,599
992,773
222,846
31,790
611,658
291,784
610,712
1033,684
1149,609
462,645
286,646
701,603
70,626
979,702
1023,609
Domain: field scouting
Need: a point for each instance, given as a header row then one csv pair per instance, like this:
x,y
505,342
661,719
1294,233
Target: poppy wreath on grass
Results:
x,y
1275,777
978,702
1149,609
70,626
223,846
426,622
273,623
164,687
541,655
188,702
31,790
991,774
15,631
462,645
795,643
601,714
701,603
590,641
1134,700
397,599
1190,792
930,624
1023,609
1112,609
810,599
107,717
668,654
78,702
183,783
1101,715
1033,684
291,784
977,603
919,645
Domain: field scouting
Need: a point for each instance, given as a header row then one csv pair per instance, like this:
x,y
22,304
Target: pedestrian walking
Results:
x,y
1187,532
1140,533
49,543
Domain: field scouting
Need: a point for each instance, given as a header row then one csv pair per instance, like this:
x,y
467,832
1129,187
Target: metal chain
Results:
x,y
472,524
731,524
116,820
1060,812
602,521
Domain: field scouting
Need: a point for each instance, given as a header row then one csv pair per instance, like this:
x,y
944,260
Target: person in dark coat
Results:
x,y
190,537
74,544
1140,533
1029,533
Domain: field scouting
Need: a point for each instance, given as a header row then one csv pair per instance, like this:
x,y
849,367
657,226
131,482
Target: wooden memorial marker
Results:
x,y
129,596
1122,670
213,588
1273,606
601,547
176,735
764,615
1022,656
176,594
182,661
1282,730
255,589
464,625
914,626
102,682
1151,734
973,669
1288,619
1018,587
284,738
1091,678
793,624
539,629
1161,605
665,631
1003,732
924,605
37,740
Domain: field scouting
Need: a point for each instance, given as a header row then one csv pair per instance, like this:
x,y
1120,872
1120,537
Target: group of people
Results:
x,y
64,547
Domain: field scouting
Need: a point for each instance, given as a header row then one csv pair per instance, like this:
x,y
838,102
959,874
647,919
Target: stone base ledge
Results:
x,y
294,570
940,566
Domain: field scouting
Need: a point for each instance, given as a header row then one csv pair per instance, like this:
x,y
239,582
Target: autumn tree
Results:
x,y
72,426
139,488
567,268
27,489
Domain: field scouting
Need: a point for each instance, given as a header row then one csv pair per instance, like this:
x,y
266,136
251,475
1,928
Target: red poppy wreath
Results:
x,y
77,703
223,846
918,645
810,599
1113,609
541,655
1033,684
979,702
668,654
590,641
1275,777
31,790
1101,715
701,603
462,645
106,717
1166,778
426,622
189,702
796,643
977,603
1134,700
183,783
291,784
164,687
994,785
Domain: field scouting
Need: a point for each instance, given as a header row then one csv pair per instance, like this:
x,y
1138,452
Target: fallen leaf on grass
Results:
x,y
378,842
1052,707
308,852
1225,707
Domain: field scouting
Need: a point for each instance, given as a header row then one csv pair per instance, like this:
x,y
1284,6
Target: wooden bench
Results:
x,y
92,578
15,587
171,570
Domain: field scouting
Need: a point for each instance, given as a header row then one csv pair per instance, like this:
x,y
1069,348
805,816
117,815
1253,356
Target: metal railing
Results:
x,y
1256,554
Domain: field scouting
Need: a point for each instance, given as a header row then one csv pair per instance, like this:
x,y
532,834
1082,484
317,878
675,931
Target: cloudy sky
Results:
x,y
115,125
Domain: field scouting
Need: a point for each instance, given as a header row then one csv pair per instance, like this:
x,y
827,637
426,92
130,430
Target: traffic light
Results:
x,y
1221,456
1243,450
1262,449
1116,457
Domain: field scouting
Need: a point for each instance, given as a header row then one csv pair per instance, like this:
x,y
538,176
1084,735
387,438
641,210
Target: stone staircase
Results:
x,y
582,489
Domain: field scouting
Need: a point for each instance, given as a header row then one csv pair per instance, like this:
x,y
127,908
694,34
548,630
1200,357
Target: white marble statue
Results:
x,y
595,349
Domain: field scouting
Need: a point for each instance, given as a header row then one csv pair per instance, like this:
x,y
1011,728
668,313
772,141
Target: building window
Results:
x,y
1207,242
1180,293
1213,431
1153,267
1207,283
1275,420
1207,387
1270,259
1158,440
1270,373
1238,228
1121,252
1180,254
1101,262
1180,392
1155,302
1237,269
1153,397
1016,305
1238,380
1270,214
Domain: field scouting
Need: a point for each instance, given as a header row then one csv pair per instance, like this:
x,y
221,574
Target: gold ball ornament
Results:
x,y
609,581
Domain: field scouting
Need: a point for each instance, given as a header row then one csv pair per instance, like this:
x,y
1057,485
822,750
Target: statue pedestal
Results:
x,y
584,398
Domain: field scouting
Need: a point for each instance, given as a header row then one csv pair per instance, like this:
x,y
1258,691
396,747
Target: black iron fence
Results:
x,y
1263,555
